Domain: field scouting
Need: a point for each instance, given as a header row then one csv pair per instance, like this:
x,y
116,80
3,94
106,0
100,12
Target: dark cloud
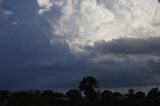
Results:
x,y
128,46
27,59
25,45
125,61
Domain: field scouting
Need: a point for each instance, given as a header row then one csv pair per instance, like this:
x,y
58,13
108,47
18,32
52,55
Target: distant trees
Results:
x,y
107,94
73,96
3,96
135,95
154,93
4,93
50,93
88,85
140,95
117,95
37,92
73,93
59,95
47,93
130,93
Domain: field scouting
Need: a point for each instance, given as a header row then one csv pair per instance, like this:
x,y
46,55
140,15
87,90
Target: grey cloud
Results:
x,y
128,46
24,45
124,62
128,72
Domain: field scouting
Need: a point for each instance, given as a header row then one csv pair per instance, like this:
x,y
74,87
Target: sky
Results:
x,y
53,44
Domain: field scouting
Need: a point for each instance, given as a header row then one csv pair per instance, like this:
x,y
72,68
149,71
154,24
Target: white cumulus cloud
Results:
x,y
84,22
44,5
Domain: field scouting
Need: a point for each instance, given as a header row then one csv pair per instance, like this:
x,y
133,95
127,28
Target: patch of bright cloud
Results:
x,y
8,13
44,5
14,23
84,22
4,12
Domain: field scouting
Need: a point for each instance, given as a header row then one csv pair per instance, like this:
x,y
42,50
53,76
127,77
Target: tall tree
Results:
x,y
130,94
88,85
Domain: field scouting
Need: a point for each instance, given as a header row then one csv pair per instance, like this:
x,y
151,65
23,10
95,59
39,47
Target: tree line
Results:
x,y
88,87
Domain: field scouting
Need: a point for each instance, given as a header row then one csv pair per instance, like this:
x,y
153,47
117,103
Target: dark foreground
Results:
x,y
74,97
37,99
50,102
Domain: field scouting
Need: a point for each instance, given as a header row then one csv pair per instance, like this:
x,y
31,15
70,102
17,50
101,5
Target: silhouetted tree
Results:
x,y
73,93
140,95
87,85
47,93
50,93
58,95
107,94
130,93
3,95
117,95
154,93
37,92
31,91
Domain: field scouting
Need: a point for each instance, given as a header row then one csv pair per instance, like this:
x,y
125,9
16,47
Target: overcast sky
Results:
x,y
53,44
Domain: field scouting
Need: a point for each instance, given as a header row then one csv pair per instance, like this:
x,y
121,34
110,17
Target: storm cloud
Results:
x,y
53,44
